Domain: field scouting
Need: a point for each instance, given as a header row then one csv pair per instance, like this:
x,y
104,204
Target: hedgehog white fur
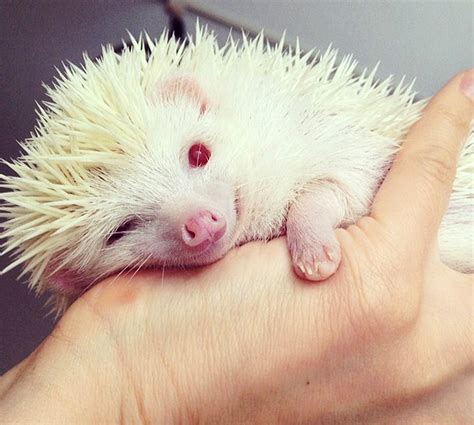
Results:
x,y
293,142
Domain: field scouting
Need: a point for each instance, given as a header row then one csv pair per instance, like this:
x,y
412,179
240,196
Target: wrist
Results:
x,y
126,383
70,378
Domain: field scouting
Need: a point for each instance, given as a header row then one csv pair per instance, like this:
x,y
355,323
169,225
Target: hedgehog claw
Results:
x,y
301,267
330,253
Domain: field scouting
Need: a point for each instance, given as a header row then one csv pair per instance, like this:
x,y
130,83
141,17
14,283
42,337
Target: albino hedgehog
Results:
x,y
173,159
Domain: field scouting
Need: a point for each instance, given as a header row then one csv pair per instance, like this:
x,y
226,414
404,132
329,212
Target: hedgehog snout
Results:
x,y
202,228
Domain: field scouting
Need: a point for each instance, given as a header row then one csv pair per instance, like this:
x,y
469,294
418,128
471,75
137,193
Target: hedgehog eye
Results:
x,y
198,155
126,227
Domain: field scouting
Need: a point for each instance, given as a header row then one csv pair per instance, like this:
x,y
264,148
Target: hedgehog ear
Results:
x,y
181,86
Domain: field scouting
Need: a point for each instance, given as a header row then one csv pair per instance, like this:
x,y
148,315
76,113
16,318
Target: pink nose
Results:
x,y
202,228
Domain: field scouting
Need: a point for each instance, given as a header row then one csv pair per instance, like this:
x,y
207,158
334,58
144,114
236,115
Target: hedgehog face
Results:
x,y
190,221
177,217
172,204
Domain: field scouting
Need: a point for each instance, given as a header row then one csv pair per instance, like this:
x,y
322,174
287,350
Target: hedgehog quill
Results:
x,y
173,159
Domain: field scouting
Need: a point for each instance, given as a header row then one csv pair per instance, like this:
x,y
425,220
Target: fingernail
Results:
x,y
467,85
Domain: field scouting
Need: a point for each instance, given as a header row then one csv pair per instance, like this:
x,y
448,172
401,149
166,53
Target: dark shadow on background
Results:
x,y
37,36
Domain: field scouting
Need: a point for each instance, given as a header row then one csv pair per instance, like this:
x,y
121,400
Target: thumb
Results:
x,y
413,198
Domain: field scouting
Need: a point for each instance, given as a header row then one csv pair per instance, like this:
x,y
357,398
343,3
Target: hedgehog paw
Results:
x,y
314,257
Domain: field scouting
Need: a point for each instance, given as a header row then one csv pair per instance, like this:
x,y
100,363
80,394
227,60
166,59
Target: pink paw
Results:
x,y
314,258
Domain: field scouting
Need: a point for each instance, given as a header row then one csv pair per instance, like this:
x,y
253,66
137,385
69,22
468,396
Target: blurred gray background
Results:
x,y
430,40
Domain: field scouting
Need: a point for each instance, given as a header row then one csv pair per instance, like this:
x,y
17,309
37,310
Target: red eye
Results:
x,y
198,155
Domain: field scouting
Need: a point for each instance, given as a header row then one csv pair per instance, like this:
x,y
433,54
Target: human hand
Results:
x,y
387,339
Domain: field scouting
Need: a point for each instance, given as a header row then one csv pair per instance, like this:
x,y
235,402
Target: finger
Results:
x,y
416,191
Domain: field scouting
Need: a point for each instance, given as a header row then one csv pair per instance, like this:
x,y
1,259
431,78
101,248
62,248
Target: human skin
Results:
x,y
386,340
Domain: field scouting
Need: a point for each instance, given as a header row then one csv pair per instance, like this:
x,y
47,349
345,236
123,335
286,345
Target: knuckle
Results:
x,y
437,163
452,120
